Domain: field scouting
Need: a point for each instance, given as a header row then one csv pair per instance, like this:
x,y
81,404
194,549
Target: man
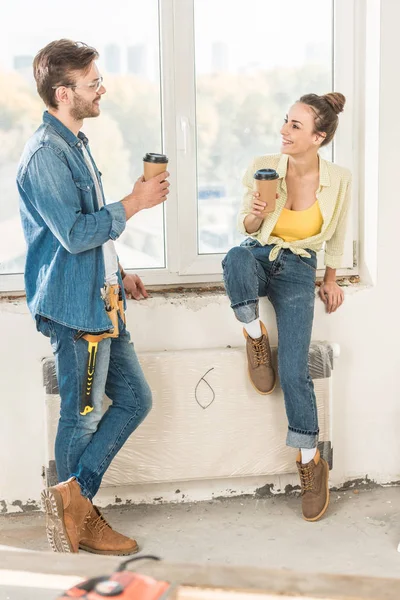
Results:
x,y
75,293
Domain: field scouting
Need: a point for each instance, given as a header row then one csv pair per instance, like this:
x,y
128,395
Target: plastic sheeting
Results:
x,y
207,421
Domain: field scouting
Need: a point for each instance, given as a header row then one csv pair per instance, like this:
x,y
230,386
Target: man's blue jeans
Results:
x,y
289,284
86,444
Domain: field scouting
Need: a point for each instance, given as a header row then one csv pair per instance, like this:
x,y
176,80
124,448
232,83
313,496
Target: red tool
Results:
x,y
121,585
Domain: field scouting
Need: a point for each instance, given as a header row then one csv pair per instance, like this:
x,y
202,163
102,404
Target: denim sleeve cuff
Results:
x,y
118,216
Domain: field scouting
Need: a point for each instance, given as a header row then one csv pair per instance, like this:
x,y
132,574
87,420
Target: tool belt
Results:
x,y
112,297
114,305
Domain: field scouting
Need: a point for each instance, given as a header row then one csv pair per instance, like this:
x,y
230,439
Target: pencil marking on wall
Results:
x,y
204,391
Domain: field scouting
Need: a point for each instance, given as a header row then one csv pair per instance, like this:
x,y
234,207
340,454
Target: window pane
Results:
x,y
253,60
127,37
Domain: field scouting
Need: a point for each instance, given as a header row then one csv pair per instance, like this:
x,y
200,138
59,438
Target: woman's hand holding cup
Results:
x,y
258,206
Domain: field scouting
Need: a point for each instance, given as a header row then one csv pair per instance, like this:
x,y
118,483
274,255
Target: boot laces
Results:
x,y
98,524
307,478
260,352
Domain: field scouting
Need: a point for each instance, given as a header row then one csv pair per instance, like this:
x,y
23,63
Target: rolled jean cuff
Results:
x,y
246,312
295,439
84,489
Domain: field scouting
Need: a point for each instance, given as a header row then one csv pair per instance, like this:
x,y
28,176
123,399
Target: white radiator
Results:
x,y
207,421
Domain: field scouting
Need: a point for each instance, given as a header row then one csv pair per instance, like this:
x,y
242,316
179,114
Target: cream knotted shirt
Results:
x,y
333,195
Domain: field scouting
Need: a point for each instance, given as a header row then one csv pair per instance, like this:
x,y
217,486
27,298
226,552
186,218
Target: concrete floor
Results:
x,y
359,534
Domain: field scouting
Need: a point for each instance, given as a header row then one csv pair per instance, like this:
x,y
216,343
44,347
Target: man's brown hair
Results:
x,y
56,64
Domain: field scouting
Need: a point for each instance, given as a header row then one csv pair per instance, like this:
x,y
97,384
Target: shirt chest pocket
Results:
x,y
87,194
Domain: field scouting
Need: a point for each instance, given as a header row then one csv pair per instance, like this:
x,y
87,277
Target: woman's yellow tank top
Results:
x,y
294,225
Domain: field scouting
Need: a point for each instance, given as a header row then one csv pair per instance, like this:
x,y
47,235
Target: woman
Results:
x,y
279,260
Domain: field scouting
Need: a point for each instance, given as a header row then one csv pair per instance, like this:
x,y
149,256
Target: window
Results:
x,y
248,73
130,123
206,81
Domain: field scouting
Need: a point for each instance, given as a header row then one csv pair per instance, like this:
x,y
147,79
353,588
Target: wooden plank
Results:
x,y
276,583
201,593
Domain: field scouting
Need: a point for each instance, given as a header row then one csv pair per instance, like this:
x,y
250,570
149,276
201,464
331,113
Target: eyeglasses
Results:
x,y
94,85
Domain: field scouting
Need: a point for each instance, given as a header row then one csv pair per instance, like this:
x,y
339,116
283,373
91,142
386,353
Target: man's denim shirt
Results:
x,y
64,229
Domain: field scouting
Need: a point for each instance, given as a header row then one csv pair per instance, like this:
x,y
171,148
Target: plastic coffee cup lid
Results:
x,y
266,174
155,158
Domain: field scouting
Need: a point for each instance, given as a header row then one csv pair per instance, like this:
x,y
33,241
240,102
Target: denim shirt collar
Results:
x,y
63,131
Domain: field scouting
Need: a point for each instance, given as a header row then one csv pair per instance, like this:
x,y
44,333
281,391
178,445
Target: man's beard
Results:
x,y
83,109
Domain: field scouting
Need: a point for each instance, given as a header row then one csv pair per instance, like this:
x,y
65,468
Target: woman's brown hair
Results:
x,y
326,109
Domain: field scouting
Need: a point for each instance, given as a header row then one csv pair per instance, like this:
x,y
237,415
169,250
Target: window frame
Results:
x,y
178,105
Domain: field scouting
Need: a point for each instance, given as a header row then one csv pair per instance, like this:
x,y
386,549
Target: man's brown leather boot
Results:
x,y
65,509
98,537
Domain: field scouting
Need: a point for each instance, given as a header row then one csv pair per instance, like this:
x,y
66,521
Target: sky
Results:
x,y
275,33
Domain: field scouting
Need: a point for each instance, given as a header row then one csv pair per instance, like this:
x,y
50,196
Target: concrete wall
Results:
x,y
367,327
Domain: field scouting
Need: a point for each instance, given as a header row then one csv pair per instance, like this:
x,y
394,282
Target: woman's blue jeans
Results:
x,y
289,283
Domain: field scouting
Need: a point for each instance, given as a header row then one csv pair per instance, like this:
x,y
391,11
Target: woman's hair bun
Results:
x,y
335,100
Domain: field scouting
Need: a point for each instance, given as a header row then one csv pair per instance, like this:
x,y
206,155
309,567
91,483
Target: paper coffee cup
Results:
x,y
266,183
154,164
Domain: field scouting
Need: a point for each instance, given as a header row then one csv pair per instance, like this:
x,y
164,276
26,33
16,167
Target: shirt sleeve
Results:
x,y
248,182
49,186
335,246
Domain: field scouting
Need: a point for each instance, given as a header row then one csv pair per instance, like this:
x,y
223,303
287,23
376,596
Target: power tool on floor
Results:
x,y
121,585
